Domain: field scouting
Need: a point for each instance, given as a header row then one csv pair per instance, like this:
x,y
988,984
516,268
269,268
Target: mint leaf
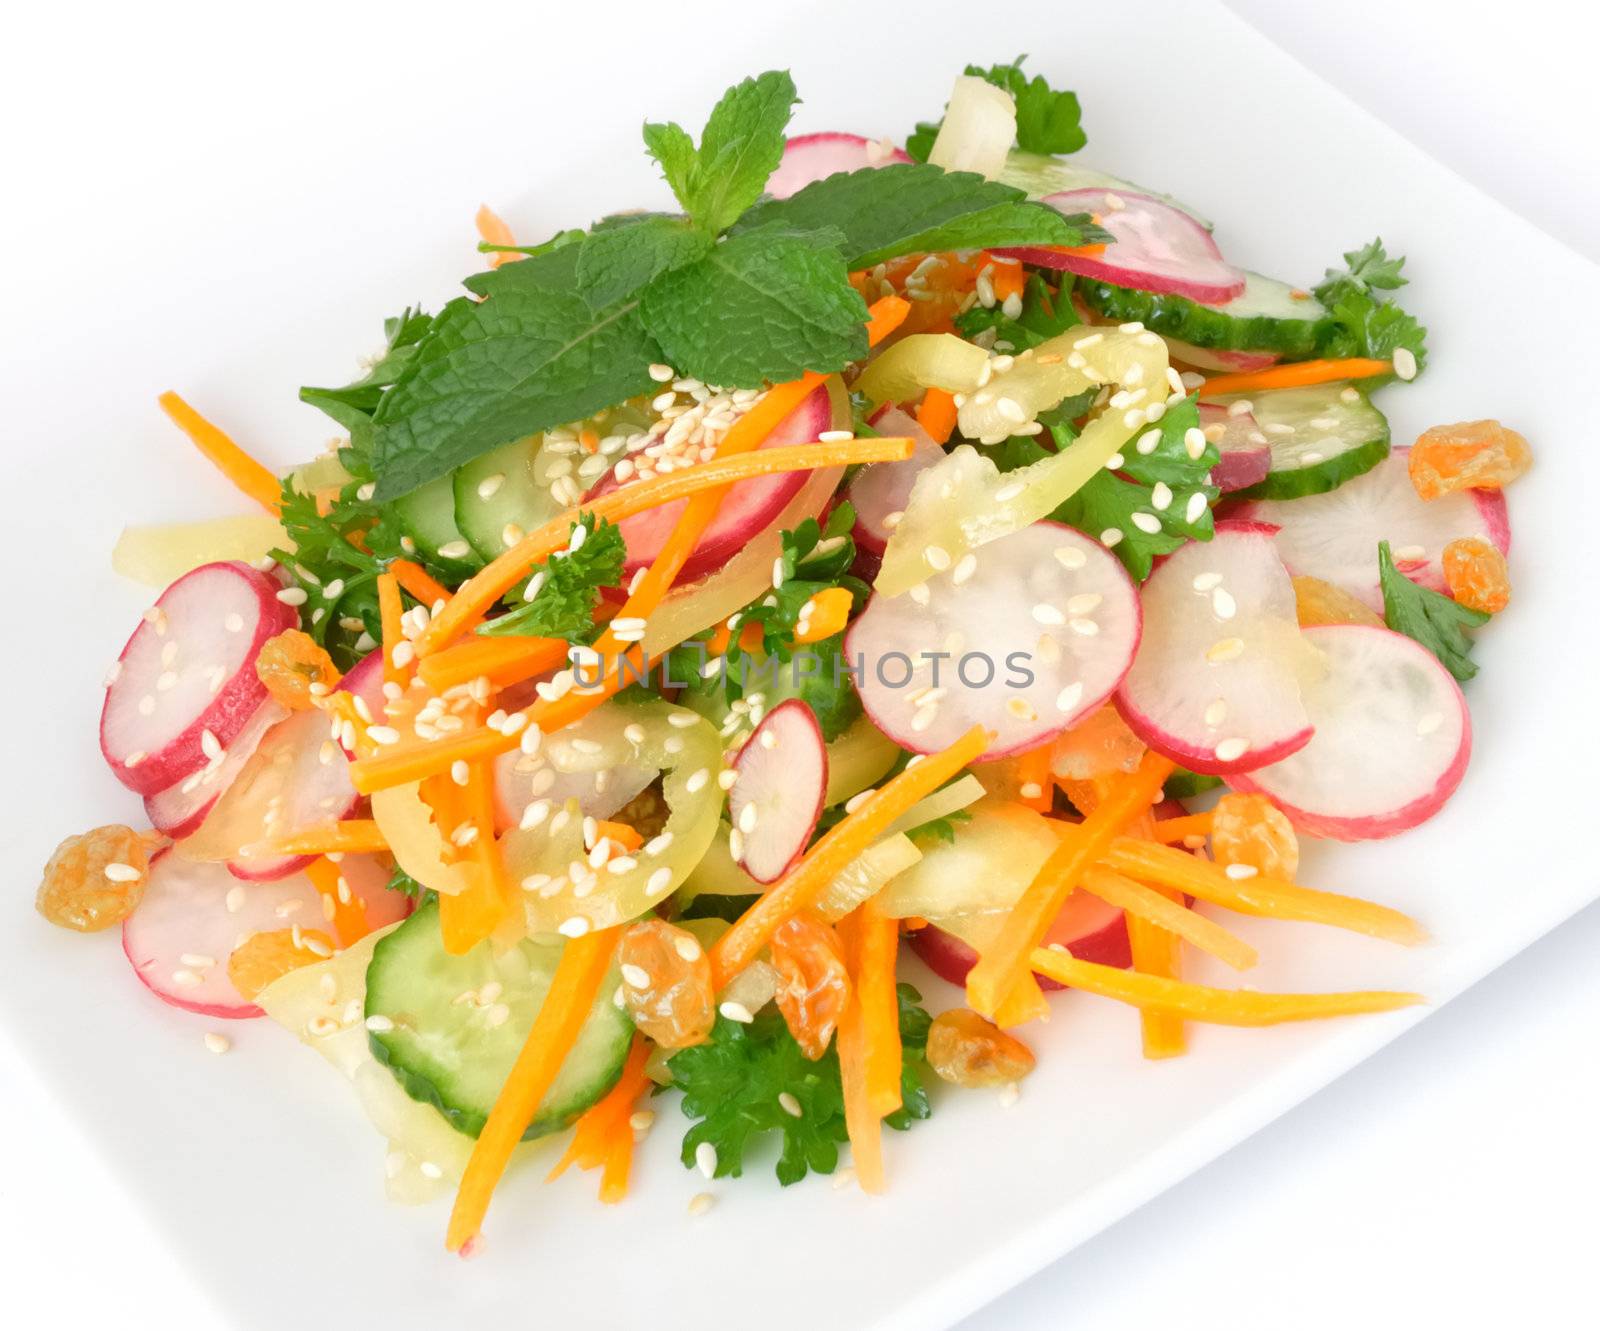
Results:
x,y
1425,616
674,152
532,354
883,212
919,143
561,593
1048,121
762,305
621,260
352,406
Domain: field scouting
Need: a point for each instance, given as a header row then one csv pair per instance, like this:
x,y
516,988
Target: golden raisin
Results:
x,y
1318,602
1250,830
970,1050
666,983
272,954
1471,455
813,984
95,880
1476,574
290,664
1099,745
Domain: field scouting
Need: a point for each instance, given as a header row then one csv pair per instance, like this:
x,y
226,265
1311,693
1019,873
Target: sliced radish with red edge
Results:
x,y
1223,360
1246,455
1216,683
365,680
180,809
776,798
879,491
1392,743
188,672
809,158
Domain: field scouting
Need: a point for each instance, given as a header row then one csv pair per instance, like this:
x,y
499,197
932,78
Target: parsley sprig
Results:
x,y
1047,121
1362,321
1437,622
565,589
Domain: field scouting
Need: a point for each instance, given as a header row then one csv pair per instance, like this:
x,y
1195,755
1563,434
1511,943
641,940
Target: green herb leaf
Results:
x,y
731,1085
939,831
1367,269
674,152
1047,121
1435,621
352,406
620,261
1045,313
566,587
532,354
1363,323
904,208
762,305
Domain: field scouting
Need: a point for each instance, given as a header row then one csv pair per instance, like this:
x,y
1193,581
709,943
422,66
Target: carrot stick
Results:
x,y
349,917
884,316
603,1135
820,865
1175,831
877,941
248,475
852,1043
1026,1002
1194,1002
1005,962
1156,951
480,592
389,612
419,582
352,836
583,966
467,918
1035,782
1172,916
494,231
503,661
937,414
1297,375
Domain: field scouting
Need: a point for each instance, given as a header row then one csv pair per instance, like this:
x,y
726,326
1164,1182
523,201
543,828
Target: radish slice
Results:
x,y
813,157
1392,743
1334,536
880,491
191,919
1246,454
520,781
1023,637
1216,683
1156,248
180,809
365,680
776,798
749,508
1216,358
368,878
1089,928
187,672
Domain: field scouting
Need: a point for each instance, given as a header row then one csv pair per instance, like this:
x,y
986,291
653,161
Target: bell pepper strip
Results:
x,y
579,974
390,609
852,1043
937,415
417,582
352,836
824,615
1195,1002
877,938
247,475
1179,831
1296,375
884,316
1272,898
1005,962
819,866
602,1138
502,661
349,917
1159,909
494,231
479,593
1155,951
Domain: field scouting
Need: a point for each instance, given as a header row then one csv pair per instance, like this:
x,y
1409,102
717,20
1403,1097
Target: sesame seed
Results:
x,y
1010,1093
122,873
1116,462
185,978
1241,408
1240,871
1405,363
1225,649
293,595
1110,537
383,734
1148,523
1083,603
705,1159
1205,582
1223,604
1230,749
1410,552
701,1202
1047,614
1006,493
938,558
497,1015
430,1170
1070,557
697,780
575,927
789,1104
1310,459
1161,496
455,550
217,1042
641,1120
234,623
965,567
1216,712
836,436
1031,790
1429,723
736,1012
234,900
659,882
635,976
663,374
1195,509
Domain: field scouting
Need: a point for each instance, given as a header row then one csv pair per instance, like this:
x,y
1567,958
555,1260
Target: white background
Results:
x,y
1447,1181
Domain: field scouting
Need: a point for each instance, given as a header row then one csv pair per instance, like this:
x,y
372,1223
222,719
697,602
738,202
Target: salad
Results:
x,y
940,550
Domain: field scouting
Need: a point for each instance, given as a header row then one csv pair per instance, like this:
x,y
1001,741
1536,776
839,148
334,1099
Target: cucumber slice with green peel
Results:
x,y
1320,437
428,516
1039,175
1267,317
455,1052
502,495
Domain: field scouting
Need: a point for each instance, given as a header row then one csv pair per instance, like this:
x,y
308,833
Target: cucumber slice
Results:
x,y
500,494
1184,784
1267,317
428,517
1040,175
1320,437
445,1052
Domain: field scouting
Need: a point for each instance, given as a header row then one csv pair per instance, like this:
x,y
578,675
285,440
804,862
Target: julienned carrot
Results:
x,y
244,471
1156,951
1026,1002
1296,375
820,865
830,612
937,415
1035,782
621,834
1005,961
1272,898
1159,909
602,1138
1175,831
349,916
479,593
583,966
422,585
877,940
352,836
884,316
1194,1002
852,1042
494,231
502,661
389,612
467,918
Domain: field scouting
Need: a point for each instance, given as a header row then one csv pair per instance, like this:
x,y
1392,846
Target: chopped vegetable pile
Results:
x,y
877,547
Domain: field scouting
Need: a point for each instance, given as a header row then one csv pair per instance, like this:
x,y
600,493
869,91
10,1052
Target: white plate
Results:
x,y
261,274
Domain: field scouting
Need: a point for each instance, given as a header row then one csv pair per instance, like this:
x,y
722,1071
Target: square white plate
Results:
x,y
267,258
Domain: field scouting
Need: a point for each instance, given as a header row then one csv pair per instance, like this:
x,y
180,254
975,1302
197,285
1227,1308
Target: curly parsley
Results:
x,y
1361,321
561,594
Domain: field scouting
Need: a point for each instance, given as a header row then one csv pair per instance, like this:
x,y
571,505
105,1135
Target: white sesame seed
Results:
x,y
575,927
965,567
488,486
1205,582
383,734
1216,712
1195,509
1241,871
663,374
659,881
789,1104
122,873
217,1042
1405,363
1148,523
455,550
293,595
1084,603
1069,697
1010,1093
1047,614
635,977
736,1012
234,623
1110,537
1429,723
705,1159
1230,749
1116,462
1223,604
697,780
1225,649
1411,552
1070,557
938,558
700,1203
